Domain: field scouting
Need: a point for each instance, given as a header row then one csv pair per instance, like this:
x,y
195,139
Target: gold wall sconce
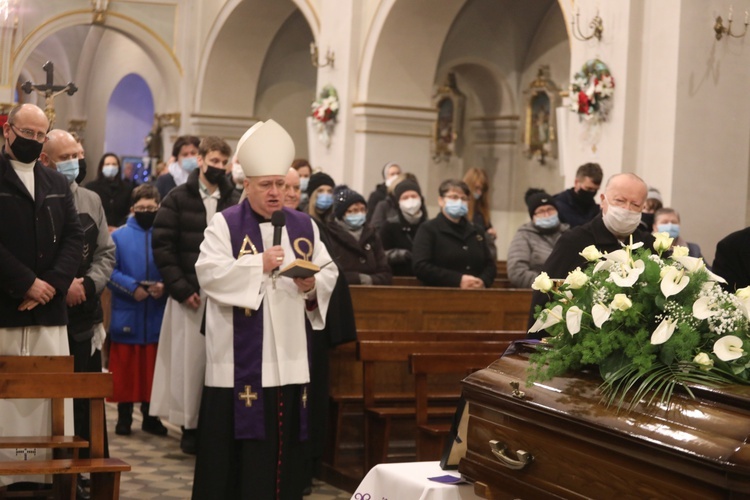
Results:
x,y
314,57
721,30
596,26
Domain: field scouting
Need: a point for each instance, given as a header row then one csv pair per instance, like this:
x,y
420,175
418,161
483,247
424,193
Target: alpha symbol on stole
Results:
x,y
248,396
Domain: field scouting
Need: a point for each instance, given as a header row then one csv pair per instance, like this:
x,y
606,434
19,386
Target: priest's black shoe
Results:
x,y
153,425
189,442
124,419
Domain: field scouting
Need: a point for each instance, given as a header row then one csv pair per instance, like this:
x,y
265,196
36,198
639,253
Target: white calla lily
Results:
x,y
673,281
603,265
573,319
547,318
728,348
634,246
600,313
628,275
702,308
663,332
621,256
715,277
691,264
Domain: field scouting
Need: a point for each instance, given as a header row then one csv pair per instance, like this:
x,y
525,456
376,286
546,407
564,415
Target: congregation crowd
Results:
x,y
192,263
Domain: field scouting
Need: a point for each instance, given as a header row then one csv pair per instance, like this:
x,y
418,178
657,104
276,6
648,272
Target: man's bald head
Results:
x,y
624,190
292,189
28,122
60,146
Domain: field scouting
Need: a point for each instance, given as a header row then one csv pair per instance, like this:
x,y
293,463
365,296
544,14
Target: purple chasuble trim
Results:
x,y
249,421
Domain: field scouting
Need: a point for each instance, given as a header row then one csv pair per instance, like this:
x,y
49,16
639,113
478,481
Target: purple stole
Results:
x,y
249,417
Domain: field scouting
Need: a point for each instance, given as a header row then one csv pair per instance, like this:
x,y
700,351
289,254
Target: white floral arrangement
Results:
x,y
591,91
648,321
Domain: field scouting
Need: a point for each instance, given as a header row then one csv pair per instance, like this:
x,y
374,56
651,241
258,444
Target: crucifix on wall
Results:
x,y
49,90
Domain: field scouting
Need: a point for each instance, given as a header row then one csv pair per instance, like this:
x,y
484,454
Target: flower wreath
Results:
x,y
326,107
649,321
591,91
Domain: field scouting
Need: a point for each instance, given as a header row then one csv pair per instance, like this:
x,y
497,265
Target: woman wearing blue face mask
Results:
x,y
449,250
320,194
355,245
534,241
667,220
114,191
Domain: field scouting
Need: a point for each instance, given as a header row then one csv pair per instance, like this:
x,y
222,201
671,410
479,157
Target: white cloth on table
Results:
x,y
31,417
239,282
410,481
180,365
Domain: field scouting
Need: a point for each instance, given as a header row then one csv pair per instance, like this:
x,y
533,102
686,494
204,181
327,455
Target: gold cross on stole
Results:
x,y
248,396
247,248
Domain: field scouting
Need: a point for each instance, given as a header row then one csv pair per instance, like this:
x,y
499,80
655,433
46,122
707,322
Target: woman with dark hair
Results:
x,y
450,250
113,190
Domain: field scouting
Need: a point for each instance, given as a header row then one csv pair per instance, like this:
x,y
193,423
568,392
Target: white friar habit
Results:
x,y
252,441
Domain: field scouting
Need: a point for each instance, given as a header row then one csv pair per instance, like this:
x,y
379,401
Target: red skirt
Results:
x,y
132,368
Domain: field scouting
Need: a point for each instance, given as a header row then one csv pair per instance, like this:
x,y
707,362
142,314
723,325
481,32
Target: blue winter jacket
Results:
x,y
134,322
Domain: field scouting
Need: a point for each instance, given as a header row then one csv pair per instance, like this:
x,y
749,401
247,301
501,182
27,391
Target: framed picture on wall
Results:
x,y
449,105
542,99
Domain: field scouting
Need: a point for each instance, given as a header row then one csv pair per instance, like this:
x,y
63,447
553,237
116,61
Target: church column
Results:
x,y
8,28
339,32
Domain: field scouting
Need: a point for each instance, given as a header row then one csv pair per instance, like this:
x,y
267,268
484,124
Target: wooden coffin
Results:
x,y
557,440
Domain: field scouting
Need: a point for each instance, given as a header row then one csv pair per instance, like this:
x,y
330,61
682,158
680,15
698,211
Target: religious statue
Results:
x,y
153,142
542,97
49,90
449,104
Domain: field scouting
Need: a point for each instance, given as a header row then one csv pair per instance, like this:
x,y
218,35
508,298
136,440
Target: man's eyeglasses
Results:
x,y
30,134
623,203
145,209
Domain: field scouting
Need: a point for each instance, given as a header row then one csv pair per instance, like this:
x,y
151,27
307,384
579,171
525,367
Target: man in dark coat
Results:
x,y
732,260
177,236
576,206
41,243
622,202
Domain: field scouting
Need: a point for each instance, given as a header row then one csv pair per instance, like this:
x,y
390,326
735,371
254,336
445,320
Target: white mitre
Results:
x,y
265,149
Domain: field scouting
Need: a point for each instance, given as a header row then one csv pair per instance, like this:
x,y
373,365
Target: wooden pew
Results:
x,y
430,308
379,418
346,378
413,281
431,435
105,472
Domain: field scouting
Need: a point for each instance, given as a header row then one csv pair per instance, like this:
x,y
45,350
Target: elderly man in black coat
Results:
x,y
41,244
732,260
622,202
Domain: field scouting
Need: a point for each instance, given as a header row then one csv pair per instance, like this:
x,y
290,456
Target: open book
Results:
x,y
299,269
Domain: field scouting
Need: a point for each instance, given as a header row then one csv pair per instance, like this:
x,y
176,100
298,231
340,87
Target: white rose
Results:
x,y
590,253
704,360
576,279
542,283
679,251
621,302
662,242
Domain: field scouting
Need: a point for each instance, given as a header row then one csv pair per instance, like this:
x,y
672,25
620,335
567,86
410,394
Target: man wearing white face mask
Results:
x,y
85,316
622,203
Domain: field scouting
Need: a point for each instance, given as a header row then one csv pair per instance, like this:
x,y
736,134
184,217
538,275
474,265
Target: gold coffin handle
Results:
x,y
501,453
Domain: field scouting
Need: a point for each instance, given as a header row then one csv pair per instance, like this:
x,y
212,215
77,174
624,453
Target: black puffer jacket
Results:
x,y
178,234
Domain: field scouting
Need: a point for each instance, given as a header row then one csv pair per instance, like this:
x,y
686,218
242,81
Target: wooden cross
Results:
x,y
248,396
26,452
49,90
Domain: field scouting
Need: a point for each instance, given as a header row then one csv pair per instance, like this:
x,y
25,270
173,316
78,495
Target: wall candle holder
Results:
x,y
721,30
596,26
330,56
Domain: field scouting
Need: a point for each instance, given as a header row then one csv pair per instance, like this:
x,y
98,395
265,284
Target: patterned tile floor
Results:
x,y
159,468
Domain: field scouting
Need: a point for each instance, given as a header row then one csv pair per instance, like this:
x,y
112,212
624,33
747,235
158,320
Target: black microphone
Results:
x,y
278,220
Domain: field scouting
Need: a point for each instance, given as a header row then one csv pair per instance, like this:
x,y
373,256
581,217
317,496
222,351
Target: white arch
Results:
x,y
391,27
305,7
164,59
